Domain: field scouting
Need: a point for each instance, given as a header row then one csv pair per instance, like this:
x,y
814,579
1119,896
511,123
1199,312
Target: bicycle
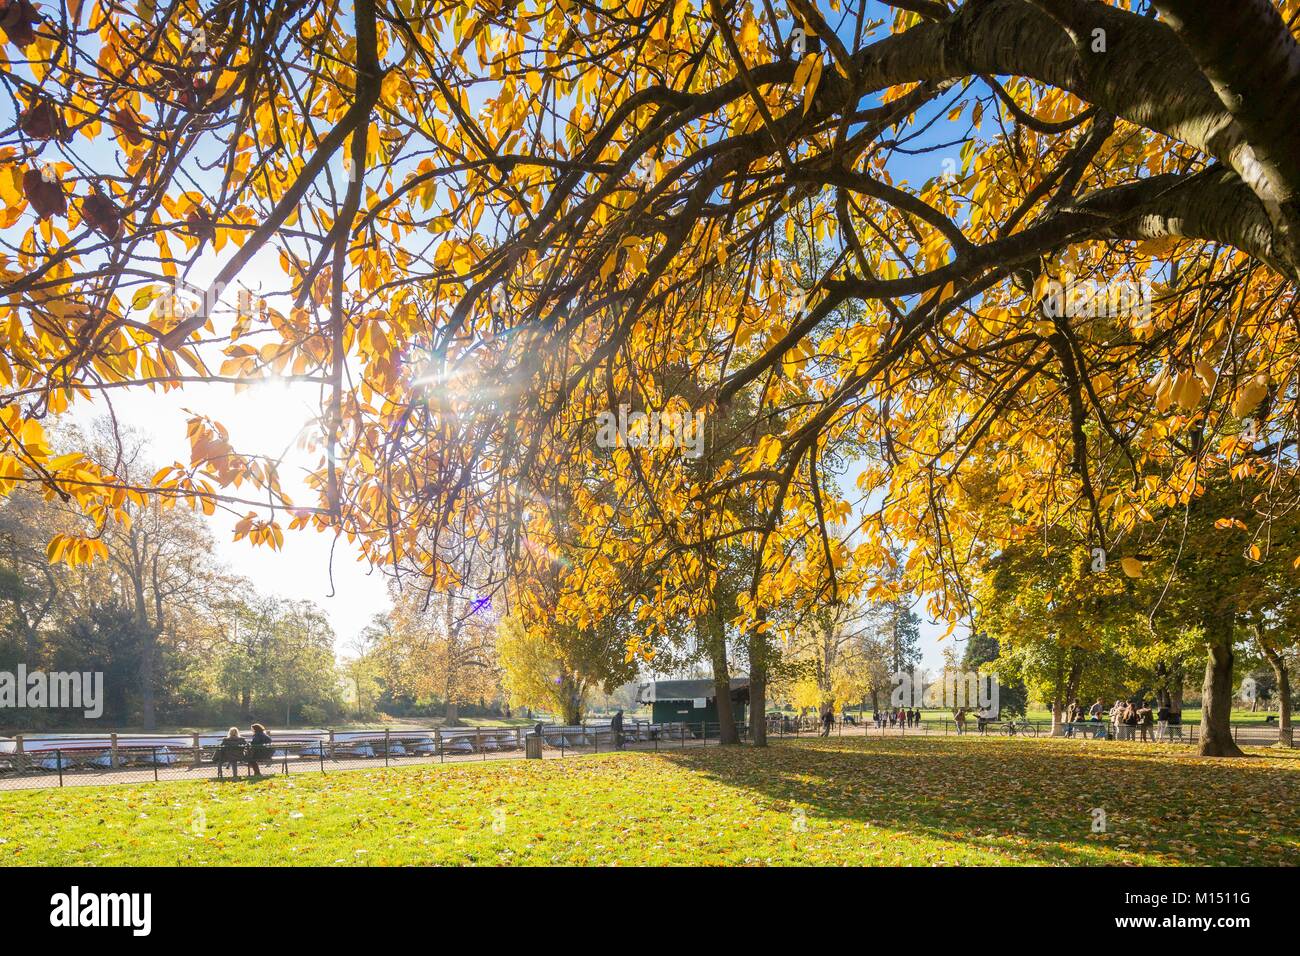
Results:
x,y
1022,727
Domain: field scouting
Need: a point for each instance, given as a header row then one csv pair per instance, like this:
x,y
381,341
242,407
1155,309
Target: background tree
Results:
x,y
557,671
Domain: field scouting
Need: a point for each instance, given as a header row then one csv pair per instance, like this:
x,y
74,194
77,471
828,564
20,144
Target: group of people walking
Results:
x,y
900,717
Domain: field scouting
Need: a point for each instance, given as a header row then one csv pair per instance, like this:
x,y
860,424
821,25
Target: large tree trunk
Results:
x,y
572,700
148,715
1072,683
148,645
1178,678
1163,696
1283,676
1216,692
1057,687
758,689
451,715
713,632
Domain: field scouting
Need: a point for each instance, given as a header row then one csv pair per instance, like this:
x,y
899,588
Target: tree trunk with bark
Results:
x,y
1283,676
1057,688
148,710
713,633
1072,683
758,689
1216,691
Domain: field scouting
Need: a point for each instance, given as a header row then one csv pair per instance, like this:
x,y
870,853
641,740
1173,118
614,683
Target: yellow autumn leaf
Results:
x,y
1251,395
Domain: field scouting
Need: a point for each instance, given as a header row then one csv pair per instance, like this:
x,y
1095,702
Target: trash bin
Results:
x,y
533,746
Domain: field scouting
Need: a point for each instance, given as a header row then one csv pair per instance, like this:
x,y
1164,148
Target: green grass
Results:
x,y
908,801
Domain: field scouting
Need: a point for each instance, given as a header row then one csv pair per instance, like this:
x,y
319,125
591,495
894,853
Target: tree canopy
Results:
x,y
1047,253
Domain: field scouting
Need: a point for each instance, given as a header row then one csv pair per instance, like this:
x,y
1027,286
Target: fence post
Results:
x,y
20,763
198,751
155,764
58,761
595,736
519,738
478,742
437,740
386,742
112,760
331,742
321,750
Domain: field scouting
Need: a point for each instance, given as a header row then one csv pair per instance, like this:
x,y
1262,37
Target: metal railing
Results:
x,y
37,761
57,762
1247,735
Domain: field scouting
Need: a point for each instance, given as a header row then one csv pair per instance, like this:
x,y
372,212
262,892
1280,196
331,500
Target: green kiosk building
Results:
x,y
691,701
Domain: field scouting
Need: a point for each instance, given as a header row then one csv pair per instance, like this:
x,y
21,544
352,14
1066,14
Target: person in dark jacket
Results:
x,y
260,749
1146,721
616,728
828,719
231,750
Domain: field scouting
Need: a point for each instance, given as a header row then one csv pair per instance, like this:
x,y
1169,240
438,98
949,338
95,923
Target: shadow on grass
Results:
x,y
1032,801
244,778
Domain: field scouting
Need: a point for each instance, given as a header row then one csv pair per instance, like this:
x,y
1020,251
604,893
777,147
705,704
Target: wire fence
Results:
x,y
36,761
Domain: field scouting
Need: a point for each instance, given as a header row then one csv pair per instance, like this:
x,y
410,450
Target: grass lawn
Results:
x,y
919,801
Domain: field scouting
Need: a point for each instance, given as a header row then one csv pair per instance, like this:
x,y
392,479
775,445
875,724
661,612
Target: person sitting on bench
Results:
x,y
231,750
260,749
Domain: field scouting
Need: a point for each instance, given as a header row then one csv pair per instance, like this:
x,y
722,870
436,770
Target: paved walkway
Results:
x,y
1249,736
300,764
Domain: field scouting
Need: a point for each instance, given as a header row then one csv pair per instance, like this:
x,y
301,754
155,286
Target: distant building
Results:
x,y
691,701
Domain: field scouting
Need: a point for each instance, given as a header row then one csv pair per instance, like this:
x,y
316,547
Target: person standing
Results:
x,y
1145,721
616,728
1162,723
828,719
1115,711
1129,719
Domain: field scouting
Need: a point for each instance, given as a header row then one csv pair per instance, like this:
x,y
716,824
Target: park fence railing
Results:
x,y
32,761
1246,735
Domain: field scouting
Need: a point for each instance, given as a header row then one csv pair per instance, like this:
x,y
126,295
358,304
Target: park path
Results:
x,y
1248,735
